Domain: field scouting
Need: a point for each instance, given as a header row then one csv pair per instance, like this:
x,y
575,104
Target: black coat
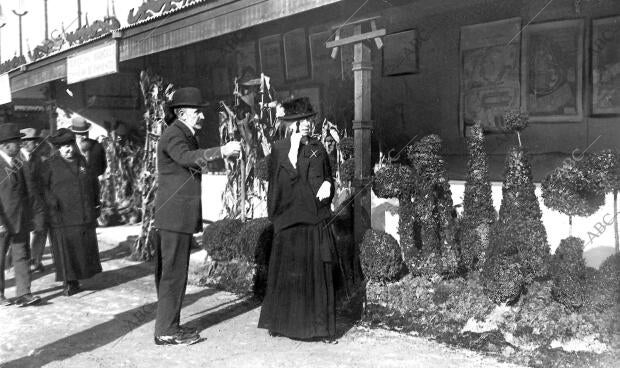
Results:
x,y
179,163
70,191
95,156
15,210
32,170
291,197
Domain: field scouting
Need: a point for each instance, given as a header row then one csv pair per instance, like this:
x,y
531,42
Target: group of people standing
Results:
x,y
49,187
300,297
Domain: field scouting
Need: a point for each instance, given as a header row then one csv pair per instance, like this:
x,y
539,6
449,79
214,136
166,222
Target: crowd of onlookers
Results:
x,y
49,189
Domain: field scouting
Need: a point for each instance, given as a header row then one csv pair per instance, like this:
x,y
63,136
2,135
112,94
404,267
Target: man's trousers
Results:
x,y
18,243
172,251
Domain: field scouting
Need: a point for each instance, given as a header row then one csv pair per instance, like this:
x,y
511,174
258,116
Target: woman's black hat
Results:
x,y
10,132
62,136
297,109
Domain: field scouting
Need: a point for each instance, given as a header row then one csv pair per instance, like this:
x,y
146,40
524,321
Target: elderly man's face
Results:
x,y
67,151
192,117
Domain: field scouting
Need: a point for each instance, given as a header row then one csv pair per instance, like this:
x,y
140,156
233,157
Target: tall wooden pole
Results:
x,y
20,15
79,6
47,35
362,128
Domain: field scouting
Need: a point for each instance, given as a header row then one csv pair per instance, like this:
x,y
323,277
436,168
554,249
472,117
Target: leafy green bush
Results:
x,y
394,181
427,228
230,239
380,256
518,238
347,170
347,147
478,211
575,188
515,121
568,272
218,239
604,285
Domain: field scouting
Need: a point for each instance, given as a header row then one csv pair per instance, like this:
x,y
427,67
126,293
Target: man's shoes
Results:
x,y
38,268
26,300
71,288
180,338
188,330
4,301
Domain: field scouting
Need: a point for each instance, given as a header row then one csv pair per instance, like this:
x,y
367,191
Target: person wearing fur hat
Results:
x,y
178,212
15,216
71,193
299,301
92,150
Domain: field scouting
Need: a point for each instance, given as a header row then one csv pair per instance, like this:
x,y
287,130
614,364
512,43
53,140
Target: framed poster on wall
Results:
x,y
245,54
606,66
323,66
296,54
490,73
270,51
400,53
552,71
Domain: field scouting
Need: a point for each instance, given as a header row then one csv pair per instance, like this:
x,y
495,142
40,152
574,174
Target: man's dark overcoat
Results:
x,y
15,209
32,170
179,161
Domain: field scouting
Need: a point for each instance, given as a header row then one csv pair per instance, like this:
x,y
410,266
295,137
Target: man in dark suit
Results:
x,y
178,211
92,150
15,216
32,158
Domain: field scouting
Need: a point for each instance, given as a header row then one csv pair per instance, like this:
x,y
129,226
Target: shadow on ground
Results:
x,y
114,331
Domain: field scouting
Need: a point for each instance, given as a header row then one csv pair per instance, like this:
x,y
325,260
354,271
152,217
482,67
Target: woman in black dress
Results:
x,y
299,302
71,194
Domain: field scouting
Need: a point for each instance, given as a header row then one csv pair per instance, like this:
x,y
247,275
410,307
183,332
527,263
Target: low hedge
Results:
x,y
568,272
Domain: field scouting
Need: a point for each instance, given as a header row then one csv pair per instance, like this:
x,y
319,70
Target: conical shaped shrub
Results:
x,y
568,272
518,234
478,211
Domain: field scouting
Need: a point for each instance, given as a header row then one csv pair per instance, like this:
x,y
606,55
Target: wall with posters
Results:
x,y
567,81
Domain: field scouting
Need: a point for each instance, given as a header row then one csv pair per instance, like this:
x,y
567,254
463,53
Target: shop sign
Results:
x,y
5,89
95,62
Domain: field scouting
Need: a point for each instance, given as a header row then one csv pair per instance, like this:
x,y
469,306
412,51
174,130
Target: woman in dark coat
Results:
x,y
299,301
71,194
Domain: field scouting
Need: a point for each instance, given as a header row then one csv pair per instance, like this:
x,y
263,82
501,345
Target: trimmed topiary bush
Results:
x,y
606,166
218,239
568,272
478,211
347,147
429,238
518,236
575,189
380,256
394,181
503,279
347,170
604,288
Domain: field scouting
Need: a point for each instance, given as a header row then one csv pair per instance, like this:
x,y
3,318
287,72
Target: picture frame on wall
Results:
x,y
552,71
245,54
322,64
296,55
606,66
270,51
400,53
490,74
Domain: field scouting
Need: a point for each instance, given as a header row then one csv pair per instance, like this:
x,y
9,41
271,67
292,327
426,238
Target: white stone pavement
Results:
x,y
110,324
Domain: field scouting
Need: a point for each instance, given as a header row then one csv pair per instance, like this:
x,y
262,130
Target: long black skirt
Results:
x,y
299,301
75,251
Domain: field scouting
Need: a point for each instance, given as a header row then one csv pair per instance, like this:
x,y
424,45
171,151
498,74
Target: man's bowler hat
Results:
x,y
187,97
297,109
79,125
10,132
30,134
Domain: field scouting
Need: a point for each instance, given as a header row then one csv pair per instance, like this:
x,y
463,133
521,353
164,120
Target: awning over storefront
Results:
x,y
206,21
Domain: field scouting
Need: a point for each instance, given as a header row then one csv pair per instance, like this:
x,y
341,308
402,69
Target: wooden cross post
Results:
x,y
362,124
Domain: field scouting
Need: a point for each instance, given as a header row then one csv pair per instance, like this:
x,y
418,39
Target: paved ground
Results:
x,y
110,324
